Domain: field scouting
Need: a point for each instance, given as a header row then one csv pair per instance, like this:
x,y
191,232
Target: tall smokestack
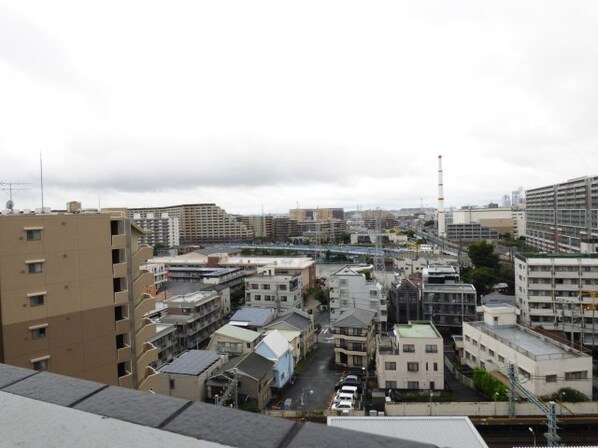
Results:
x,y
441,217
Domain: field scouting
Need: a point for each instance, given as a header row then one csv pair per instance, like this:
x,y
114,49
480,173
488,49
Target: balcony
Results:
x,y
123,354
144,306
149,355
121,297
142,282
123,326
119,241
144,253
119,270
126,380
147,330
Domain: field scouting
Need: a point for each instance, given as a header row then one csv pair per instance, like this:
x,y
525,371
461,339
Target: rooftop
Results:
x,y
416,330
450,432
252,316
193,298
278,262
34,414
530,255
528,342
452,287
239,333
192,362
355,319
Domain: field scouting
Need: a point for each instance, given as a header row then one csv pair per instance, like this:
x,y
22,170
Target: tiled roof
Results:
x,y
295,319
355,319
41,416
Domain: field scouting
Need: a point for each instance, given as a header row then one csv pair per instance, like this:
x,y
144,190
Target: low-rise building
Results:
x,y
542,364
277,349
252,318
411,357
294,340
297,320
350,290
281,292
235,341
354,342
187,375
196,316
254,375
448,305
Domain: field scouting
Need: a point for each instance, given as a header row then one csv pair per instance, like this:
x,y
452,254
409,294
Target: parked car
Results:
x,y
350,390
357,384
344,406
344,396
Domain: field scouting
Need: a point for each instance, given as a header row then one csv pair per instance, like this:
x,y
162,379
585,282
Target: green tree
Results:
x,y
482,255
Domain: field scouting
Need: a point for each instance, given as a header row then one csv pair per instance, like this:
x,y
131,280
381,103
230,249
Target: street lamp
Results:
x,y
533,433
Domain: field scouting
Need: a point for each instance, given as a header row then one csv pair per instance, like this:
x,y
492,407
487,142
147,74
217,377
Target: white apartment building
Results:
x,y
559,292
542,365
267,289
159,271
411,357
350,290
161,228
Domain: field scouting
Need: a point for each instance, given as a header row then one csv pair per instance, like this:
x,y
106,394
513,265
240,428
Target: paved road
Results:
x,y
316,384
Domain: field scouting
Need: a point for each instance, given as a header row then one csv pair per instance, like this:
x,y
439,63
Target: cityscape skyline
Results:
x,y
266,106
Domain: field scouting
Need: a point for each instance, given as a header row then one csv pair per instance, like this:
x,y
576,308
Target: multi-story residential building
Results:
x,y
564,217
354,342
305,267
448,305
411,357
405,301
444,300
350,290
262,226
196,317
186,376
285,228
543,365
559,292
322,231
281,292
202,223
72,296
233,340
166,341
519,223
161,229
160,275
317,214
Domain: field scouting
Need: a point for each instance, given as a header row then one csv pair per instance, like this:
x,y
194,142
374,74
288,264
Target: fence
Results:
x,y
460,377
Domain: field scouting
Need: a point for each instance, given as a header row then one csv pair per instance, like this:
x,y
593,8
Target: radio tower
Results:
x,y
441,214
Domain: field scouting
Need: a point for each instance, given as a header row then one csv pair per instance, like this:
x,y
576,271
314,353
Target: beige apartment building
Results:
x,y
72,296
201,223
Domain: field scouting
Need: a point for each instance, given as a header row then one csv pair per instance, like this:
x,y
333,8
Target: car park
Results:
x,y
344,406
350,390
343,396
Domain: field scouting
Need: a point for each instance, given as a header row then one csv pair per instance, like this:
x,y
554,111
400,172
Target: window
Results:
x,y
412,384
467,355
36,299
257,297
41,364
373,293
581,375
408,348
491,352
357,360
390,366
551,378
435,367
38,333
430,348
390,385
501,358
34,234
283,298
266,286
467,338
413,367
35,267
474,342
267,298
483,347
171,383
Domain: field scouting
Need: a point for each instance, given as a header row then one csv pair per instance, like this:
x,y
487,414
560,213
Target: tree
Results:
x,y
482,255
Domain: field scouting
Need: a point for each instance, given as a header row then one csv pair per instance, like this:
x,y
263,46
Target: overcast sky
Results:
x,y
255,104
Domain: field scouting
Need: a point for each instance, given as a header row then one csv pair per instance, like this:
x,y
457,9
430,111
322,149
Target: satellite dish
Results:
x,y
10,204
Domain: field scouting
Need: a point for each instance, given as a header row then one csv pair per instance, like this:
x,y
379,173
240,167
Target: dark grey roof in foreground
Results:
x,y
192,362
33,417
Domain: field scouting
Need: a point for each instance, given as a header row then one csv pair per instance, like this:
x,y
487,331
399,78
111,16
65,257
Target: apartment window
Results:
x,y
254,286
36,299
431,348
408,348
483,347
501,358
267,298
551,378
412,384
373,304
38,333
581,375
266,286
171,383
35,267
390,385
467,338
390,366
257,297
413,367
491,352
357,360
373,293
283,298
474,342
41,364
467,355
34,234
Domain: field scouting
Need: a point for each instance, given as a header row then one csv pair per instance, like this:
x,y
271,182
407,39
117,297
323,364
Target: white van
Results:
x,y
342,396
349,390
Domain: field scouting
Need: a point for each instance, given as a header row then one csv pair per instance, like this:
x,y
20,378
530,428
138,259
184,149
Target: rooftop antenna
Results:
x,y
10,203
41,178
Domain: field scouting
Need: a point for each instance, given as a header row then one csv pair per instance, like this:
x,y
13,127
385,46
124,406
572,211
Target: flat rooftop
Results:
x,y
416,330
192,298
277,262
528,342
452,287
